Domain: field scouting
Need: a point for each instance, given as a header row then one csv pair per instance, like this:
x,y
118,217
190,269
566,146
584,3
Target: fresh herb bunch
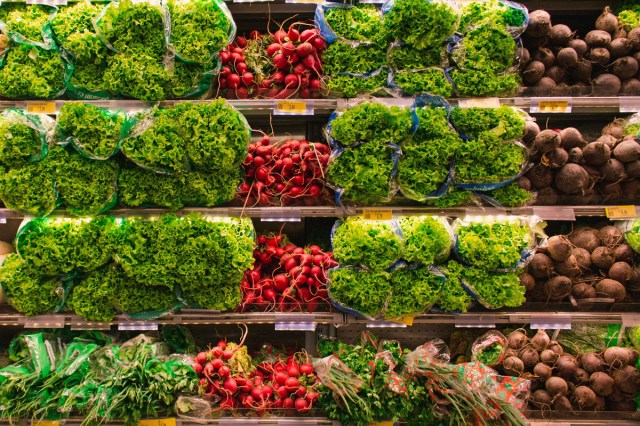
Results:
x,y
91,297
427,240
26,290
157,142
495,290
488,48
371,122
342,57
455,197
488,159
87,187
359,22
371,244
31,72
363,172
490,13
95,132
136,76
475,121
413,291
134,28
217,135
21,141
493,245
405,57
349,86
480,83
432,81
364,291
199,29
133,298
421,23
453,297
27,20
30,188
511,195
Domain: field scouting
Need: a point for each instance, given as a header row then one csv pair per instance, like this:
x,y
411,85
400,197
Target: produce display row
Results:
x,y
176,50
487,377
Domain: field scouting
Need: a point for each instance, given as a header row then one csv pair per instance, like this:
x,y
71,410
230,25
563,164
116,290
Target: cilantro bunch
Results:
x,y
421,23
26,22
30,188
359,22
413,291
28,72
22,138
342,57
487,48
93,131
432,81
427,240
453,297
371,244
372,122
363,173
199,28
474,121
349,86
364,291
490,12
492,245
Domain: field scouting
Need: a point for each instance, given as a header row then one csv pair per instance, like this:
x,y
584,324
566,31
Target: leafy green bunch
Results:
x,y
366,292
406,57
495,290
421,23
632,236
26,20
29,72
371,244
455,197
413,291
30,188
432,81
137,76
199,29
372,123
453,297
474,121
490,12
511,195
26,289
493,245
187,80
349,86
363,173
427,239
629,18
94,132
359,22
489,48
22,138
342,57
488,159
483,83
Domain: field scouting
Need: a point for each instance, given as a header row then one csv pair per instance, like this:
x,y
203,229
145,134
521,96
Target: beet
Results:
x,y
627,379
613,170
607,21
610,236
513,366
541,266
547,197
621,272
516,339
556,386
545,83
630,87
555,158
527,281
606,85
602,257
608,140
586,238
582,71
631,190
634,37
583,291
581,376
566,366
611,192
575,155
602,383
549,357
540,176
624,405
541,398
617,357
620,47
611,289
569,267
531,130
559,35
632,169
567,57
579,46
596,153
583,257
545,56
592,362
540,341
557,288
557,74
539,23
572,179
543,371
529,357
599,56
624,253
524,183
614,129
584,396
625,67
598,38
627,151
571,137
559,248
533,72
619,33
634,282
547,140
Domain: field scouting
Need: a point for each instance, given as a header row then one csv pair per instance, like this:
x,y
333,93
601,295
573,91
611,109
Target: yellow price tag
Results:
x,y
383,423
376,214
291,107
553,106
158,422
621,212
41,107
45,423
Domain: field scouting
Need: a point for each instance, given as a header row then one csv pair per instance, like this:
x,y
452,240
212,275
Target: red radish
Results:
x,y
319,43
267,392
256,393
233,81
227,354
299,69
242,93
201,358
224,57
281,282
241,68
280,36
230,385
304,49
309,61
281,377
278,77
247,386
291,384
273,48
197,368
224,371
288,49
306,368
294,58
307,35
302,391
293,34
237,50
222,344
241,41
227,403
269,295
208,370
301,404
235,58
247,401
216,352
282,392
293,370
217,363
280,61
255,35
291,80
312,397
288,403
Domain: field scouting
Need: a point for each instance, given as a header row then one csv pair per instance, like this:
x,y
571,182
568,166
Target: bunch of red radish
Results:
x,y
294,64
285,172
286,278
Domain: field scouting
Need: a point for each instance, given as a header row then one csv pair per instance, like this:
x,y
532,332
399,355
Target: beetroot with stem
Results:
x,y
516,339
569,267
540,341
584,396
545,56
624,253
513,366
602,383
606,85
559,35
556,386
529,357
559,247
581,72
630,87
627,379
610,236
607,21
596,153
613,171
567,57
539,23
579,46
583,291
617,357
566,366
549,357
611,289
543,371
602,257
592,362
557,288
625,67
533,72
571,137
541,266
598,38
572,179
599,56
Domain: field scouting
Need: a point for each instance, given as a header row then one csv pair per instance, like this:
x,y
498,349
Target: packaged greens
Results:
x,y
187,80
405,57
433,81
357,22
472,122
511,16
488,48
139,300
482,83
27,23
353,57
23,137
427,239
200,29
347,85
371,244
414,290
30,188
359,292
493,290
92,296
31,72
453,297
137,76
631,229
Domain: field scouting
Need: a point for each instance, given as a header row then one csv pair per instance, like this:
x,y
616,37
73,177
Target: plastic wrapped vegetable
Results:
x,y
359,292
27,23
453,297
509,15
23,137
358,22
414,290
30,188
433,81
489,49
472,122
92,296
427,239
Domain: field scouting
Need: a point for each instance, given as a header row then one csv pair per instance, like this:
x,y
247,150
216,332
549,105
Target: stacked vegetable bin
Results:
x,y
391,253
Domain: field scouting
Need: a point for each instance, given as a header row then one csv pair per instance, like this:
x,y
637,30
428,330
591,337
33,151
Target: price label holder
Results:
x,y
45,423
385,324
277,214
285,322
550,105
377,214
3,219
40,107
372,1
629,104
384,422
44,321
252,1
479,103
138,326
291,107
621,212
630,320
555,213
48,2
158,422
473,321
550,321
84,325
407,320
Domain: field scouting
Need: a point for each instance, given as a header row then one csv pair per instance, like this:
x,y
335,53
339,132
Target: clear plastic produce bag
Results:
x,y
359,292
356,22
28,23
512,16
489,349
24,138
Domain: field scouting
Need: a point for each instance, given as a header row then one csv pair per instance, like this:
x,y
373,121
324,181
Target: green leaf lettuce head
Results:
x,y
511,195
363,172
482,83
490,13
489,49
472,122
363,291
360,22
632,236
342,57
405,57
493,245
199,28
91,297
189,80
455,197
73,29
29,21
349,86
372,244
488,159
453,297
495,290
432,81
22,138
421,23
371,122
413,291
130,297
137,76
29,72
427,240
30,188
95,132
26,290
